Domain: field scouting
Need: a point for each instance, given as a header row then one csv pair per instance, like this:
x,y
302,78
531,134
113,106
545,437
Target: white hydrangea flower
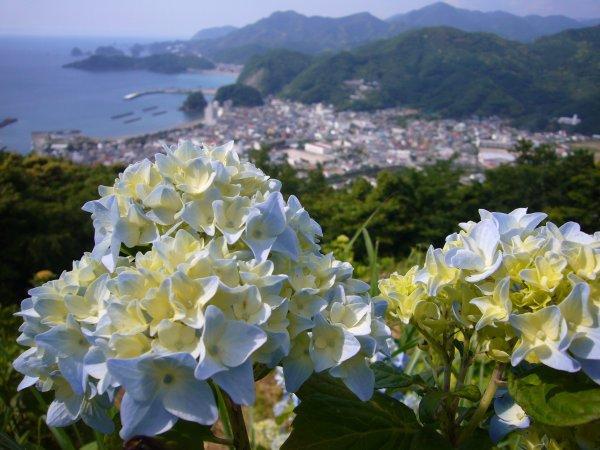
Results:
x,y
200,269
540,286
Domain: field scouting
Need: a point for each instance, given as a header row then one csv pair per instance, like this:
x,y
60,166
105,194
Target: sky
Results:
x,y
182,18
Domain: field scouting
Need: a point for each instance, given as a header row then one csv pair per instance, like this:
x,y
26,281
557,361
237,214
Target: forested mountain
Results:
x,y
498,22
455,74
293,31
214,32
314,34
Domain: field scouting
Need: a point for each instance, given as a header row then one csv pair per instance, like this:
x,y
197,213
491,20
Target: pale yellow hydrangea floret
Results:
x,y
402,293
540,286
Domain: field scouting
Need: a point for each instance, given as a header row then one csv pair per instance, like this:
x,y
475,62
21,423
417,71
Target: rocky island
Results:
x,y
162,63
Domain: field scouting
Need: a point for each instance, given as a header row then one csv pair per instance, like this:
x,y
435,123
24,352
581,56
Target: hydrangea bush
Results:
x,y
200,272
524,296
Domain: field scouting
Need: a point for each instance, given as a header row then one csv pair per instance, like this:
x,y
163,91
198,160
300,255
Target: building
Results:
x,y
318,148
572,121
306,160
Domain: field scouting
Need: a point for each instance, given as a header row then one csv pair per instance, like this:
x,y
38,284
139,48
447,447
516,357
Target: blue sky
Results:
x,y
182,18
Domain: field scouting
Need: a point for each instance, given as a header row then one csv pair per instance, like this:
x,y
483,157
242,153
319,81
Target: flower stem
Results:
x,y
238,426
223,411
484,403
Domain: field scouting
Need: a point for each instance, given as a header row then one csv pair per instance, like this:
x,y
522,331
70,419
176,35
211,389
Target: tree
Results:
x,y
239,94
195,102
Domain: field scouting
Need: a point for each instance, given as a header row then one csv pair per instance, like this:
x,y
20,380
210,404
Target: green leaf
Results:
x,y
9,444
90,446
387,376
430,405
372,257
330,417
62,438
479,440
361,228
428,438
469,392
556,398
407,340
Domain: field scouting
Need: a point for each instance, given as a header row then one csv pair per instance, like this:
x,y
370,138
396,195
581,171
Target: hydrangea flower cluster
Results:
x,y
530,292
200,270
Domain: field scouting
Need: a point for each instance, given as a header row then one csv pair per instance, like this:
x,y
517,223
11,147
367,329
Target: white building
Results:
x,y
573,121
318,148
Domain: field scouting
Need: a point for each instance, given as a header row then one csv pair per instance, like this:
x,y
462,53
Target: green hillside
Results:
x,y
270,72
239,94
456,74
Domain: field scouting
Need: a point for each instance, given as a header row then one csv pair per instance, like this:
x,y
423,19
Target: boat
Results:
x,y
120,116
159,113
149,108
6,122
135,119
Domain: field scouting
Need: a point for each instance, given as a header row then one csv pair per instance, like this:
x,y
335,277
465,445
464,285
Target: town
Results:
x,y
342,143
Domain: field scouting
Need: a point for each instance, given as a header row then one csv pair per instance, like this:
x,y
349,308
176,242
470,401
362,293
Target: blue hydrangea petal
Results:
x,y
144,418
238,383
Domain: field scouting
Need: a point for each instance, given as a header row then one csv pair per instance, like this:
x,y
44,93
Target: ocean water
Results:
x,y
43,96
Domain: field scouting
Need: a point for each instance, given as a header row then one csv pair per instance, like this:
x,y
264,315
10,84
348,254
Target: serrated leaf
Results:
x,y
330,417
387,376
556,398
469,392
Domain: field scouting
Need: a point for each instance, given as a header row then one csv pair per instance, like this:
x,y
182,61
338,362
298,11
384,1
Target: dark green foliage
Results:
x,y
163,63
239,94
458,74
556,398
108,50
271,71
43,226
330,417
195,102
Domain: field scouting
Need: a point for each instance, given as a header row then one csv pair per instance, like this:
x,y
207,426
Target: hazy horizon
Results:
x,y
146,18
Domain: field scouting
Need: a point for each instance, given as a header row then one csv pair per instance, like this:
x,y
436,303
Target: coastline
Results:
x,y
128,137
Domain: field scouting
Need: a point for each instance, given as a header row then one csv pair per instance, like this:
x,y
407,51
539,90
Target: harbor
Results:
x,y
180,91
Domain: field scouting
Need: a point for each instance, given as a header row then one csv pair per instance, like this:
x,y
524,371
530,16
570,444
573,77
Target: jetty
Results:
x,y
205,91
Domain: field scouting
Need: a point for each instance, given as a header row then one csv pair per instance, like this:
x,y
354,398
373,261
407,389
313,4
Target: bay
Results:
x,y
43,96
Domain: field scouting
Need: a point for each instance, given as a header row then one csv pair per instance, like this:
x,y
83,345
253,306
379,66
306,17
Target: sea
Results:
x,y
43,96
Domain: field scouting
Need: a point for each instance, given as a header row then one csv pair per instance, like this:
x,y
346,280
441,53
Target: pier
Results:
x,y
134,95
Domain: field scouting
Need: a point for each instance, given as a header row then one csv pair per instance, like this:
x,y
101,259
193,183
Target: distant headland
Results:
x,y
162,63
